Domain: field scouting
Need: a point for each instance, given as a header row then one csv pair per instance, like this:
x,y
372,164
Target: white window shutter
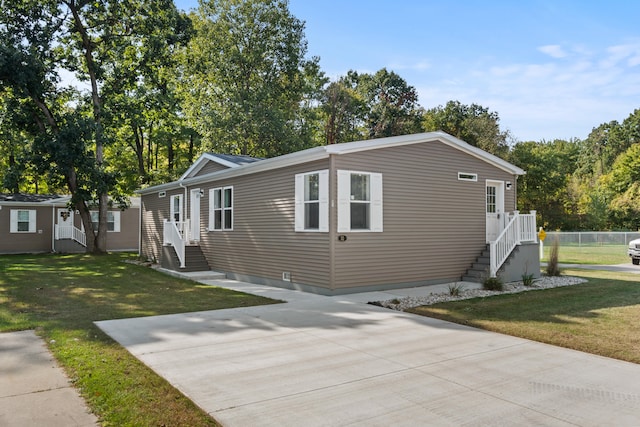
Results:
x,y
212,194
324,200
32,221
299,203
376,202
13,227
344,202
116,221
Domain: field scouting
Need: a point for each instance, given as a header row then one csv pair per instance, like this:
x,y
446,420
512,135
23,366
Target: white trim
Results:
x,y
13,221
194,213
172,210
467,176
375,202
323,201
202,162
222,209
319,153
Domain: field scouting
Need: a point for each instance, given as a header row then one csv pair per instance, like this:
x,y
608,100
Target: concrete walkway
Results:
x,y
34,390
337,361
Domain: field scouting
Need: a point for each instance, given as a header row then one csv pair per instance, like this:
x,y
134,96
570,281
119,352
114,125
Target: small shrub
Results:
x,y
527,279
493,284
455,289
552,266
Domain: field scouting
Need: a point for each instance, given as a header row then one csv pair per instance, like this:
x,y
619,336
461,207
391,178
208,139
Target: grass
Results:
x,y
60,296
599,317
605,254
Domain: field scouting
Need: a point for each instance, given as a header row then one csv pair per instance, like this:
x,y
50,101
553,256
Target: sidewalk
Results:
x,y
34,391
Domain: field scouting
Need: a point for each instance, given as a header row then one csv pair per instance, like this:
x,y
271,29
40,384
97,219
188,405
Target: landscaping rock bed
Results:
x,y
545,282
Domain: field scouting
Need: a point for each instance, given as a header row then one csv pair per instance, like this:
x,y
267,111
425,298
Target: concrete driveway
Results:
x,y
337,361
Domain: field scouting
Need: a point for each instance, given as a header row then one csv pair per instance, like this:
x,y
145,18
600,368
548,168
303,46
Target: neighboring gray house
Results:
x,y
393,212
31,223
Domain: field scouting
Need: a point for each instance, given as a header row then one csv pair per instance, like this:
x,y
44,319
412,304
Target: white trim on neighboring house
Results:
x,y
373,202
322,201
202,161
15,220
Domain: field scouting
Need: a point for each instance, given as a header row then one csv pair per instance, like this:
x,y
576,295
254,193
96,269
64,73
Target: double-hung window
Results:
x,y
113,221
221,208
359,201
22,221
312,201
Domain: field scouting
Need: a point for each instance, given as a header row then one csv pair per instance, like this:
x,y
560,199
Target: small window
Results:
x,y
221,208
311,201
463,176
175,208
22,221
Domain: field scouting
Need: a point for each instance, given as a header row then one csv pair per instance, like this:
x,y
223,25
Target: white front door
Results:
x,y
494,208
194,201
64,219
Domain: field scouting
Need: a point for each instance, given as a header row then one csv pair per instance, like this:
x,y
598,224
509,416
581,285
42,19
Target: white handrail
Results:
x,y
520,228
70,232
172,235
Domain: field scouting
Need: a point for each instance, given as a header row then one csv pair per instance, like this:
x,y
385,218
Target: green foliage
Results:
x,y
246,77
527,279
493,284
473,124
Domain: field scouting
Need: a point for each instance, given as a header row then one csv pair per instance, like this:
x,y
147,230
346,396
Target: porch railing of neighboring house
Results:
x,y
70,232
519,228
176,234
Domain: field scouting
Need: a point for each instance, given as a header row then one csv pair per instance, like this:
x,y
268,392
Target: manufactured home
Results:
x,y
403,211
33,223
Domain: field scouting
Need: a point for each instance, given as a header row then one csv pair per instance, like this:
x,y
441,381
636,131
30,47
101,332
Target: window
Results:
x,y
175,208
22,221
491,199
312,201
463,176
113,221
359,201
221,208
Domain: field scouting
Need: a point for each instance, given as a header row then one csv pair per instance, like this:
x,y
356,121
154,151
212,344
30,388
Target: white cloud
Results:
x,y
553,50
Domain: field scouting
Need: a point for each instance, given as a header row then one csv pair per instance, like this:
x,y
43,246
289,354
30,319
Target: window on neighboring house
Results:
x,y
113,221
22,221
359,201
221,208
175,213
312,201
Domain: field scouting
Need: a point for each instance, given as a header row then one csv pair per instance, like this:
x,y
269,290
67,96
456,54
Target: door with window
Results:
x,y
494,209
194,214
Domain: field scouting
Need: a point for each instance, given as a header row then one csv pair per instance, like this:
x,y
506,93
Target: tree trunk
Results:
x,y
170,155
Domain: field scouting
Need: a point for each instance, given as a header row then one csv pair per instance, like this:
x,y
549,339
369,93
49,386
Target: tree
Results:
x,y
549,166
622,186
69,127
391,105
473,124
344,111
246,75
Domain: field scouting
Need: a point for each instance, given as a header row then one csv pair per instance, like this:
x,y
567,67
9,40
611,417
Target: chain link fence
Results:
x,y
591,238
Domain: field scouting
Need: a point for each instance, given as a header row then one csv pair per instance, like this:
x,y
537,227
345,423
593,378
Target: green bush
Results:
x,y
527,279
493,284
455,289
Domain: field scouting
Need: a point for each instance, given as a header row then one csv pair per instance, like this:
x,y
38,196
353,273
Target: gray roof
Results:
x,y
28,198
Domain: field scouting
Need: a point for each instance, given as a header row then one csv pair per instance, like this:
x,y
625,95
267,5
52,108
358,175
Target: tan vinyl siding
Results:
x,y
40,241
211,167
154,211
263,242
127,238
434,224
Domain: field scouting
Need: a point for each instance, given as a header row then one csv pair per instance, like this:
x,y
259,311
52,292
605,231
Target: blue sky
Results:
x,y
550,68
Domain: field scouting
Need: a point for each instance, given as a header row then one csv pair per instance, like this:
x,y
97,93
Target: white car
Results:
x,y
634,251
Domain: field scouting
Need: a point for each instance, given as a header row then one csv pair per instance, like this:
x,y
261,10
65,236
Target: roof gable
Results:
x,y
224,160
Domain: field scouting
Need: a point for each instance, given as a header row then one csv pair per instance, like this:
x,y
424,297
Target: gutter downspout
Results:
x,y
184,205
53,228
140,229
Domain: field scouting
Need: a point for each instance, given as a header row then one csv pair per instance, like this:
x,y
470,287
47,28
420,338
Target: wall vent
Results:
x,y
286,276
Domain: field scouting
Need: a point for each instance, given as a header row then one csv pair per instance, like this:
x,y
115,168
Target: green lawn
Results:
x,y
599,317
604,254
60,296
